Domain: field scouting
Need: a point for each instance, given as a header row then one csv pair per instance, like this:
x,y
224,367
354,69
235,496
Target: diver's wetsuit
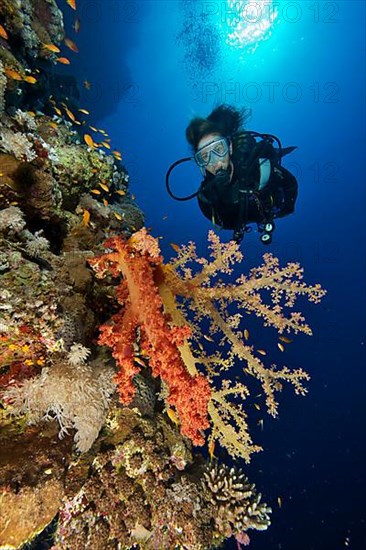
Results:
x,y
234,204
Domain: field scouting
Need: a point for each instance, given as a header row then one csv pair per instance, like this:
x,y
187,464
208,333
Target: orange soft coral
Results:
x,y
138,260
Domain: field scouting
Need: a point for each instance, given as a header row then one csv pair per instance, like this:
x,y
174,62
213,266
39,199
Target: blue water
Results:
x,y
146,86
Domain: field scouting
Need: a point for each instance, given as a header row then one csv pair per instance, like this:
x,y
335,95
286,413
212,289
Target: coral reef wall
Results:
x,y
105,382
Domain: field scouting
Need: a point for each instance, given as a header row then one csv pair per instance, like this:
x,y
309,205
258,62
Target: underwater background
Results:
x,y
144,70
155,65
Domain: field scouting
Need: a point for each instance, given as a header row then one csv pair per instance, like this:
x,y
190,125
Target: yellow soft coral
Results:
x,y
267,292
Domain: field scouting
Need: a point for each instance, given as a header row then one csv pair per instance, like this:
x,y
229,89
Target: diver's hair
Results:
x,y
224,120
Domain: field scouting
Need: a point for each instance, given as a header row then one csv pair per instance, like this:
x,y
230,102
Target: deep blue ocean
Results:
x,y
153,66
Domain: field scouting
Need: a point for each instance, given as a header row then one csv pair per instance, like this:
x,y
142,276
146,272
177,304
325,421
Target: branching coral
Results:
x,y
267,292
238,505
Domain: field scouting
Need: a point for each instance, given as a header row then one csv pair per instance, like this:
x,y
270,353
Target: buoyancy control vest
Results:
x,y
248,197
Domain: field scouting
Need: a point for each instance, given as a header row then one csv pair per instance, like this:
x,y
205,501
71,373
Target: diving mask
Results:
x,y
209,153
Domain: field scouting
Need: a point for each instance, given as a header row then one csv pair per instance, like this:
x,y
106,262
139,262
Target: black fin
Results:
x,y
286,150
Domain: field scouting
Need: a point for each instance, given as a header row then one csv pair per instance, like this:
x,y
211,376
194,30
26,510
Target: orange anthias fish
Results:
x,y
30,79
70,114
13,74
175,247
172,415
72,4
71,45
3,33
63,60
284,339
86,217
51,48
211,449
104,187
89,140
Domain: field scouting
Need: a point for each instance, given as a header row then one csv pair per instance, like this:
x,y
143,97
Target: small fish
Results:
x,y
95,191
13,74
71,45
246,334
104,187
139,361
30,79
76,25
84,111
211,449
279,501
120,192
72,4
257,406
118,216
58,111
175,247
31,113
89,141
172,415
280,346
86,217
165,217
133,197
103,132
86,84
105,144
63,60
3,33
70,114
53,125
284,339
200,346
51,48
105,202
208,338
261,423
93,128
261,351
116,153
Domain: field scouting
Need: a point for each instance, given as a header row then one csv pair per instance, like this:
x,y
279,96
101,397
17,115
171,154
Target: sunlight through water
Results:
x,y
248,23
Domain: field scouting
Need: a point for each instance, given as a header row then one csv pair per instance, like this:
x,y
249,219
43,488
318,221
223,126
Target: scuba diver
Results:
x,y
243,180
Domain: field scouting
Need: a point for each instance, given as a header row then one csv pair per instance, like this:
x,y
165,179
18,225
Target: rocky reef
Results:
x,y
72,456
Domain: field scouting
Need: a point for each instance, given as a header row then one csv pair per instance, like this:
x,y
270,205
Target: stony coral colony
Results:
x,y
88,306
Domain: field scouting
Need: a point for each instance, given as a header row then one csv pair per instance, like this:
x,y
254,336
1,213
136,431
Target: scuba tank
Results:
x,y
237,206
